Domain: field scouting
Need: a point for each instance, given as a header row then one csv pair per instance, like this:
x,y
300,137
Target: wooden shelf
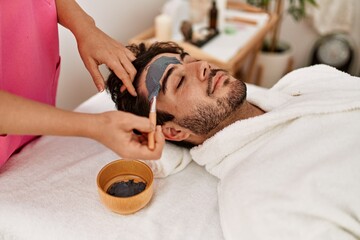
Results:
x,y
247,52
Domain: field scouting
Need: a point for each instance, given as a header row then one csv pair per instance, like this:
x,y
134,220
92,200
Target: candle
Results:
x,y
221,6
163,28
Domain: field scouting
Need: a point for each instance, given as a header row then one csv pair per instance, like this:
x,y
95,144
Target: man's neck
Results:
x,y
245,111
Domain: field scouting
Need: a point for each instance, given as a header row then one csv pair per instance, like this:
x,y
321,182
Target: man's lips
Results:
x,y
218,80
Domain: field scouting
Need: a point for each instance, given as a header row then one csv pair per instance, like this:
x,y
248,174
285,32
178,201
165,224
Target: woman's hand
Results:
x,y
115,131
97,48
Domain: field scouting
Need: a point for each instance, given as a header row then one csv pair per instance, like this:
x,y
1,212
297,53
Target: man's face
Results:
x,y
197,93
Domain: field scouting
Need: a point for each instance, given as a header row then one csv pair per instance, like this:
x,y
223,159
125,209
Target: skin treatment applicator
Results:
x,y
152,117
155,73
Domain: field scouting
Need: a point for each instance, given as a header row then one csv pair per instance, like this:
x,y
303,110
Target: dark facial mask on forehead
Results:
x,y
156,71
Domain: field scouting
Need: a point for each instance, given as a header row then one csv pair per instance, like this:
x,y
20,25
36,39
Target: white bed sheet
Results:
x,y
48,191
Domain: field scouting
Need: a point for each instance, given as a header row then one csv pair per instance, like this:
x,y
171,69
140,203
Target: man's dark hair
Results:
x,y
140,105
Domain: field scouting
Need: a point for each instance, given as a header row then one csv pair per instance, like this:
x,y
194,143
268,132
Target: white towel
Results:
x,y
292,173
49,191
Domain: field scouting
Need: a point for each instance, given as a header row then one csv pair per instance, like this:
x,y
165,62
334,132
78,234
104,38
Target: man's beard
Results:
x,y
206,117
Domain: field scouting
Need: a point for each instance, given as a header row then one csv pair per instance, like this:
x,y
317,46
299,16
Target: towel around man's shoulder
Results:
x,y
292,173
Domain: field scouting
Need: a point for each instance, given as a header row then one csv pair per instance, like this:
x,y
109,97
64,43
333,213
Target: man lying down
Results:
x,y
288,158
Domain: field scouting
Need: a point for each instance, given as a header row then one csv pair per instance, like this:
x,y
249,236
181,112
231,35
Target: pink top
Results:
x,y
29,57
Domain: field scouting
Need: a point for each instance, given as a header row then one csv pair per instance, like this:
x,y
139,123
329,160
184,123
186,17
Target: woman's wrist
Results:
x,y
83,29
91,126
74,18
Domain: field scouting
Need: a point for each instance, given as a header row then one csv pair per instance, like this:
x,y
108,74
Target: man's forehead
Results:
x,y
154,72
159,56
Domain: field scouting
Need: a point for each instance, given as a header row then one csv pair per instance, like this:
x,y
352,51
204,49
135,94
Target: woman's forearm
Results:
x,y
27,117
113,129
74,18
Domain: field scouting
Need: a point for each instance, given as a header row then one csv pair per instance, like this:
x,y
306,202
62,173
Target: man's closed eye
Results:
x,y
182,79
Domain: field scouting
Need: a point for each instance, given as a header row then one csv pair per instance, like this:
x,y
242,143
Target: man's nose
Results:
x,y
204,71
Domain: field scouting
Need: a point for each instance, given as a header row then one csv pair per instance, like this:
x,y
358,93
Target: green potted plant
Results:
x,y
276,55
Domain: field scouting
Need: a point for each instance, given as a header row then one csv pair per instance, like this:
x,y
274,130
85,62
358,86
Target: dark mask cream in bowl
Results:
x,y
125,186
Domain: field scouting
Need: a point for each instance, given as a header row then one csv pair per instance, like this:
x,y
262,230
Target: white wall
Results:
x,y
121,19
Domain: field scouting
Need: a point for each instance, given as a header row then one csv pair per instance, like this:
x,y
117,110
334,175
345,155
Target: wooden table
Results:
x,y
241,57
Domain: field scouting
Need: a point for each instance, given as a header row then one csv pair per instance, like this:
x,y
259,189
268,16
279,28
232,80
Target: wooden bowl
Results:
x,y
124,170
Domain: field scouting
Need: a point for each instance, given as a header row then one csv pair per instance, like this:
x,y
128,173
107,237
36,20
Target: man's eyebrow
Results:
x,y
167,75
183,55
169,72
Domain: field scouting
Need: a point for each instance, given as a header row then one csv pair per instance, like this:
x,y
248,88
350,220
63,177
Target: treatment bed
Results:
x,y
293,173
48,191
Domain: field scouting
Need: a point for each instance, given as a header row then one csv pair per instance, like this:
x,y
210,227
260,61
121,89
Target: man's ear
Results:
x,y
173,132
